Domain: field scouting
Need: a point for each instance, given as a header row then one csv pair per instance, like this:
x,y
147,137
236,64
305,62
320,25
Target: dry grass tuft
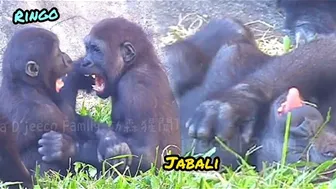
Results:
x,y
271,46
191,23
186,26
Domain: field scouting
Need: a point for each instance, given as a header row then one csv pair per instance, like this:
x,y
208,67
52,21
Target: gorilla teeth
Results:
x,y
87,75
98,88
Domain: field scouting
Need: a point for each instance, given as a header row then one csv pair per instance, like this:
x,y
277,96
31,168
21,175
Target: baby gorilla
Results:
x,y
304,126
126,68
32,67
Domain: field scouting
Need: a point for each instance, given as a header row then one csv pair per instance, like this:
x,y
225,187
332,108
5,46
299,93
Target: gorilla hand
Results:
x,y
225,118
56,147
110,147
83,80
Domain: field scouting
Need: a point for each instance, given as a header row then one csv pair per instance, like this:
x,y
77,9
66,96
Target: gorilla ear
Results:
x,y
32,68
128,52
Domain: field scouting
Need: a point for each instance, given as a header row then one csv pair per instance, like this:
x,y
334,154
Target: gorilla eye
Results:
x,y
329,154
95,48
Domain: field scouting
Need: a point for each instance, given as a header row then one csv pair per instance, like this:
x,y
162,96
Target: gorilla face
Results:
x,y
106,65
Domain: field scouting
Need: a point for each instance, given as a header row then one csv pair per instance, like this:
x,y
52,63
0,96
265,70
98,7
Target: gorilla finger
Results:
x,y
47,151
51,139
49,159
192,123
56,155
305,34
42,150
53,157
225,129
206,126
121,149
125,148
124,163
129,160
50,144
100,157
52,135
247,130
118,163
127,151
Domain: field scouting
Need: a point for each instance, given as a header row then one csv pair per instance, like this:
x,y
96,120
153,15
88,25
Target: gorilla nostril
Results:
x,y
87,64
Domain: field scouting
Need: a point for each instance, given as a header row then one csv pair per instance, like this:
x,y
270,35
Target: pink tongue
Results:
x,y
293,100
99,82
59,84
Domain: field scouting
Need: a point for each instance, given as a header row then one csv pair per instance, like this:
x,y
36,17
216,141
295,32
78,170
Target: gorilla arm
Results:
x,y
241,104
34,122
76,80
137,106
55,145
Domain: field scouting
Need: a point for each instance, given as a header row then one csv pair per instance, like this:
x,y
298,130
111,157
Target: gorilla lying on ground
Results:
x,y
238,110
234,61
126,68
195,70
305,123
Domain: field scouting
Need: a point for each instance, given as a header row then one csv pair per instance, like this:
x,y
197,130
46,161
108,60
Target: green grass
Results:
x,y
274,176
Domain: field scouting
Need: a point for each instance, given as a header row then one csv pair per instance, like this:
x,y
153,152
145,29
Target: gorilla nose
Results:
x,y
87,63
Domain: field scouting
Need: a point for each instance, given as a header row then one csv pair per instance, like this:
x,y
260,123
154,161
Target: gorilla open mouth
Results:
x,y
293,100
59,84
99,85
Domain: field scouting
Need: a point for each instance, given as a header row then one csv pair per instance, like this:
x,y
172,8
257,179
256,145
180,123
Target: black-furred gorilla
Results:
x,y
34,102
194,58
306,18
306,121
236,58
32,67
238,110
126,68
